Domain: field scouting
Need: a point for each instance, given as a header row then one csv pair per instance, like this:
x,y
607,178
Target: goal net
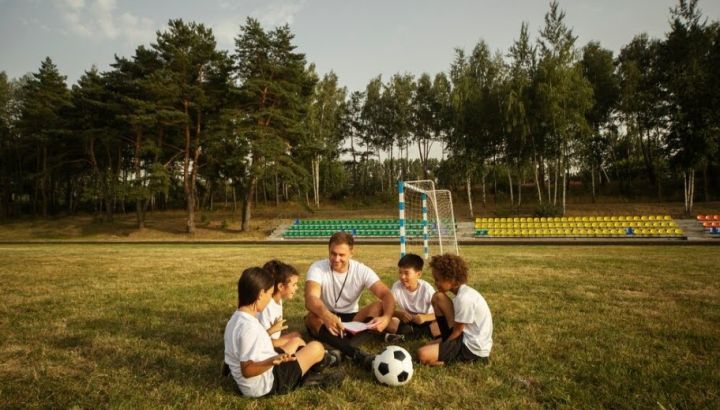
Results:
x,y
427,221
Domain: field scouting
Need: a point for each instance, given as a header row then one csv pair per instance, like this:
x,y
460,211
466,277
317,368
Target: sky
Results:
x,y
356,39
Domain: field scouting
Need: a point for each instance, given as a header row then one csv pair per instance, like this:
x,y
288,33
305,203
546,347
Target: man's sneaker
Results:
x,y
364,360
330,358
323,380
394,338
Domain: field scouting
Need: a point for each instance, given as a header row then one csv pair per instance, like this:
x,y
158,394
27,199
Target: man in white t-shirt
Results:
x,y
333,288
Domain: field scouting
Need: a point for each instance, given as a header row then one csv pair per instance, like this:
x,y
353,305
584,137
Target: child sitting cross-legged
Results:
x,y
250,357
465,321
414,316
271,318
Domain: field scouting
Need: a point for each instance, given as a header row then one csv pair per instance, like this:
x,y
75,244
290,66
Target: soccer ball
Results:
x,y
393,366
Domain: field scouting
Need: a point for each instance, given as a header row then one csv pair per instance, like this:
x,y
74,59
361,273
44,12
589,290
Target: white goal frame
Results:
x,y
437,218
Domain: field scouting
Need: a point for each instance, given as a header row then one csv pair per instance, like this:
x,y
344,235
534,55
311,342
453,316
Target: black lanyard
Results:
x,y
343,285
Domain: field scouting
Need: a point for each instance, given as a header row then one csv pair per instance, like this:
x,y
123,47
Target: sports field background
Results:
x,y
579,327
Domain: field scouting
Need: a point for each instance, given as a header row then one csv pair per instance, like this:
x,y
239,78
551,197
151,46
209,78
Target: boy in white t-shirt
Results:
x,y
257,369
271,318
465,322
414,316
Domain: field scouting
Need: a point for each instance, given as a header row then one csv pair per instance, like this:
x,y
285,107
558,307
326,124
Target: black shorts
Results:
x,y
414,331
456,351
345,317
287,377
444,327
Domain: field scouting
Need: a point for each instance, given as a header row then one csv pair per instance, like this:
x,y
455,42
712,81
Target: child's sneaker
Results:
x,y
330,359
394,338
323,380
225,369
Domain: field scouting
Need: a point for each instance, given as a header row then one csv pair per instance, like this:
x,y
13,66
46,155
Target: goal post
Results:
x,y
427,220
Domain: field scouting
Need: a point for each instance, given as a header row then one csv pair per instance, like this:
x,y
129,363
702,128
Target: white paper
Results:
x,y
355,327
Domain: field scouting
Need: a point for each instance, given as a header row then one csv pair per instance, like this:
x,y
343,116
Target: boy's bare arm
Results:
x,y
457,331
402,315
421,318
252,369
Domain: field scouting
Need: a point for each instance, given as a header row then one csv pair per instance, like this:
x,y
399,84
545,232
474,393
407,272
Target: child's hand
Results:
x,y
277,326
282,358
418,320
405,317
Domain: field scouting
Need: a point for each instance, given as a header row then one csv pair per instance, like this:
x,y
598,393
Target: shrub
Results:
x,y
547,209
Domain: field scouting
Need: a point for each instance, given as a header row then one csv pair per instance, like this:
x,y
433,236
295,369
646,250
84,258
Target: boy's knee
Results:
x,y
424,355
316,348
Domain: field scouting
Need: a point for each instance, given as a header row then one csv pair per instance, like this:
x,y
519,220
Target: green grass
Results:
x,y
140,326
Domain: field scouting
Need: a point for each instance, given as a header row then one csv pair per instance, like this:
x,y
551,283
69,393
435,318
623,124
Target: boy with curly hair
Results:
x,y
465,321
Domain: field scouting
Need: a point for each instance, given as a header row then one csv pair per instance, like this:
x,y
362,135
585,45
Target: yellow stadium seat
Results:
x,y
667,218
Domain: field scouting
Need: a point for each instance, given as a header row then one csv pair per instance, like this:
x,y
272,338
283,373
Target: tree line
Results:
x,y
182,124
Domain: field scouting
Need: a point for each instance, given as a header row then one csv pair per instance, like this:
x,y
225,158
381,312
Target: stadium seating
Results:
x,y
368,228
710,224
638,226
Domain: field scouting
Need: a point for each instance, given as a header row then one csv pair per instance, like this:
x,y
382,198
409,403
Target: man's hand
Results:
x,y
334,324
277,326
379,323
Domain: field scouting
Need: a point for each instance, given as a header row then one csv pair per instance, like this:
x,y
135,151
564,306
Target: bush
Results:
x,y
204,218
545,210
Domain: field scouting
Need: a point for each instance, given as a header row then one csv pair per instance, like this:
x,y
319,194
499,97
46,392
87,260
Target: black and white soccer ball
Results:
x,y
393,366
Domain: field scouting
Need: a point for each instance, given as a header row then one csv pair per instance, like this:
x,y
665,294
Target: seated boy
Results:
x,y
465,322
249,353
414,316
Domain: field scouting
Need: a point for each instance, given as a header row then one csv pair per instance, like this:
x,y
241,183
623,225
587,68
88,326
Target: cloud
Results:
x,y
101,20
270,15
279,13
226,31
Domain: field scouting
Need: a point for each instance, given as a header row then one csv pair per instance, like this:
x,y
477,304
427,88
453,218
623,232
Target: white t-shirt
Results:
x,y
472,310
270,314
245,339
418,301
359,277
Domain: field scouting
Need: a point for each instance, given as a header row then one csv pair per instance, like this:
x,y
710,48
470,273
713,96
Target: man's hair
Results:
x,y
339,238
280,271
450,267
411,261
251,282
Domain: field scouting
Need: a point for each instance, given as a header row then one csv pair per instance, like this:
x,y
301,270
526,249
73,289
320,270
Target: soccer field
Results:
x,y
141,326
